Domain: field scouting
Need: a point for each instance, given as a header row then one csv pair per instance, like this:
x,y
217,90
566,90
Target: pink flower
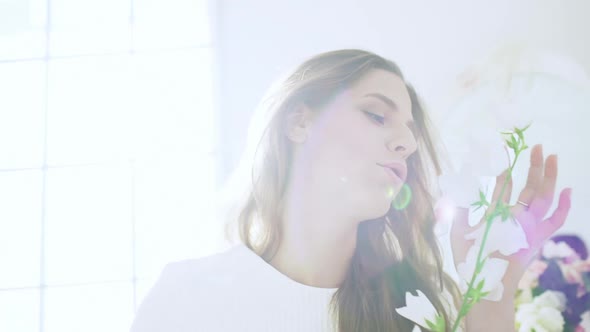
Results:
x,y
530,279
444,213
573,273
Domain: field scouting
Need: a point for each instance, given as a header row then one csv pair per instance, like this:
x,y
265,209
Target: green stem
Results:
x,y
489,218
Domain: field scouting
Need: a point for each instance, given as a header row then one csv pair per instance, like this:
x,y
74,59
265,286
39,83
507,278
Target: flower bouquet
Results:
x,y
554,293
503,96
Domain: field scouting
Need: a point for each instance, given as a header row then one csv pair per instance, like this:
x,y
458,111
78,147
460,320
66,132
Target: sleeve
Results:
x,y
165,306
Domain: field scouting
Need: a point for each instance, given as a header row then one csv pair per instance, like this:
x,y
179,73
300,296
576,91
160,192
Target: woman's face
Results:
x,y
356,146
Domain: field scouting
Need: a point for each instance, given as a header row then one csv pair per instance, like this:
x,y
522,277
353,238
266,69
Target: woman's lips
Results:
x,y
398,169
392,175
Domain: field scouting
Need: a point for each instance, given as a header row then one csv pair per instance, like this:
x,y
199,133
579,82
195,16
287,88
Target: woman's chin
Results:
x,y
376,205
379,208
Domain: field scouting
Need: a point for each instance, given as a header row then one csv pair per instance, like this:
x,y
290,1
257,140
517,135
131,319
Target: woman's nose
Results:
x,y
403,145
399,148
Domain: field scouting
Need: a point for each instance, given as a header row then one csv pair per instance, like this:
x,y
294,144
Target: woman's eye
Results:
x,y
376,117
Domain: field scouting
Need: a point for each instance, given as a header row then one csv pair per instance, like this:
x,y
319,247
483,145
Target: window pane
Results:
x,y
22,114
86,26
89,105
103,108
20,226
19,310
173,216
170,23
107,307
22,29
143,286
88,224
172,104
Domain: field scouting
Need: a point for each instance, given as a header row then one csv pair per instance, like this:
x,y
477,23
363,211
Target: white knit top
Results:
x,y
235,290
231,291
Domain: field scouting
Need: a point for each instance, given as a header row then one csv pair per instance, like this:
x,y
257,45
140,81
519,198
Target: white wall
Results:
x,y
258,40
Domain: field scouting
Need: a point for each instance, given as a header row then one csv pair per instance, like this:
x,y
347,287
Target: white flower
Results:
x,y
534,319
487,154
478,151
461,187
553,299
585,323
512,114
418,309
543,314
492,273
524,295
557,250
513,59
503,93
507,237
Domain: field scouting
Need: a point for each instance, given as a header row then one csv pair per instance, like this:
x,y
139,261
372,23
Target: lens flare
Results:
x,y
390,193
403,198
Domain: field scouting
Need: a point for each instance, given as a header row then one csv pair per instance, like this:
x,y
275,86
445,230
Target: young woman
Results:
x,y
323,248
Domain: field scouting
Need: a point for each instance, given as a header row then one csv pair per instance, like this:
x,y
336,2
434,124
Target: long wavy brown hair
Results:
x,y
396,253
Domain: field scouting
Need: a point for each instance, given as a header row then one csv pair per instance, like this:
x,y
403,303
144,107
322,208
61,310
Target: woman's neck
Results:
x,y
316,245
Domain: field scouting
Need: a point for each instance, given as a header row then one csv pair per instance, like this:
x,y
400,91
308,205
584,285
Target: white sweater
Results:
x,y
231,291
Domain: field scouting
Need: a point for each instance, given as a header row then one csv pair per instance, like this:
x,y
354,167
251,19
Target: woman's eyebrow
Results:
x,y
384,99
394,107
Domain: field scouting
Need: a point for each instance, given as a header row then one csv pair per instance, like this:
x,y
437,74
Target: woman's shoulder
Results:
x,y
213,265
185,287
216,270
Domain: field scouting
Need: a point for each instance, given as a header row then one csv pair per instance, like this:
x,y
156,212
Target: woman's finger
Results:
x,y
544,196
534,179
557,219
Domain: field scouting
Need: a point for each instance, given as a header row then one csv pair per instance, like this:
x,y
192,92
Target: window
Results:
x,y
107,155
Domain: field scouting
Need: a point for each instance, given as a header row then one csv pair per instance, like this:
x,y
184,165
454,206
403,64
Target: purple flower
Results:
x,y
575,242
575,308
552,278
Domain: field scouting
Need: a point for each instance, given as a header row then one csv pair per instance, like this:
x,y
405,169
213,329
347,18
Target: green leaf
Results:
x,y
438,325
482,196
480,285
537,291
477,208
505,213
519,133
482,201
569,327
511,145
430,325
484,294
527,127
514,142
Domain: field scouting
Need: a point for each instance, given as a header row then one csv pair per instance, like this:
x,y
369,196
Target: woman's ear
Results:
x,y
299,124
